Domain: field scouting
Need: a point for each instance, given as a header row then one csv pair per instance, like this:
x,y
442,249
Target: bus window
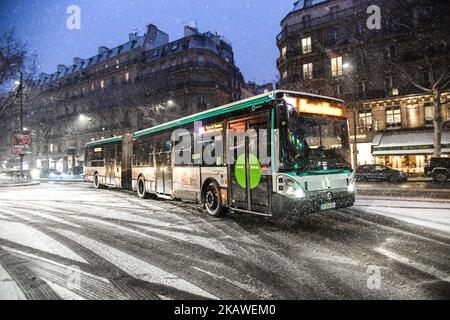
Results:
x,y
110,153
143,154
119,155
95,157
167,152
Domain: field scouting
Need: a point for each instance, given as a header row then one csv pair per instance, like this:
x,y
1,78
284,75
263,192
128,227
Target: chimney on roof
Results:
x,y
102,50
77,60
155,38
133,36
190,31
61,68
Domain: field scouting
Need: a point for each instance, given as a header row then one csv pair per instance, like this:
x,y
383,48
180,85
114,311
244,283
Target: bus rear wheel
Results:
x,y
140,187
97,184
213,201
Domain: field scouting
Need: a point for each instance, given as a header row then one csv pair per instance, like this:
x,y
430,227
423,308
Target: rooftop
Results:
x,y
303,4
158,40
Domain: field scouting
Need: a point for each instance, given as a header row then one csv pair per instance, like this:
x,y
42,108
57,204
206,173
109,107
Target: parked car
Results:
x,y
49,174
76,171
439,169
378,172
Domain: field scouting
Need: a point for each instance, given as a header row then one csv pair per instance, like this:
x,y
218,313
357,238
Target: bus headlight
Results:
x,y
293,190
351,187
300,193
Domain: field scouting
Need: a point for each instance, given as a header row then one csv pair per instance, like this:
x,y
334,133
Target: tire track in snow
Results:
x,y
26,279
137,267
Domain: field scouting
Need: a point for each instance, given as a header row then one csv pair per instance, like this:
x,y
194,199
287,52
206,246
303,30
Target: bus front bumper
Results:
x,y
314,202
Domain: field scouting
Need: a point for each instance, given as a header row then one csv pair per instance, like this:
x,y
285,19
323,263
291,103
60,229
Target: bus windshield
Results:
x,y
315,144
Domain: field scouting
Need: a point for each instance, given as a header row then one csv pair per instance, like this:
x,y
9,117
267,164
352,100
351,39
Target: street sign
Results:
x,y
21,143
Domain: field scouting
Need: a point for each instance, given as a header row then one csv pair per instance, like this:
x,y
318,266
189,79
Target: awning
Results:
x,y
408,143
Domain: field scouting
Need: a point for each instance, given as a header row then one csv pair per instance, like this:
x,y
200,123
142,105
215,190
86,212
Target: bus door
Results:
x,y
164,182
110,165
249,176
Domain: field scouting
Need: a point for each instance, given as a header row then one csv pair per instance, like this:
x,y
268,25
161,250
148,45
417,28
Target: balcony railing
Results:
x,y
325,19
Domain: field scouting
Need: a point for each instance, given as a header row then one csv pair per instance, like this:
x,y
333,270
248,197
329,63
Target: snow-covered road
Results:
x,y
433,214
70,241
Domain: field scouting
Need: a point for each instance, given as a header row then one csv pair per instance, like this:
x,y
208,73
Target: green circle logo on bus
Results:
x,y
255,171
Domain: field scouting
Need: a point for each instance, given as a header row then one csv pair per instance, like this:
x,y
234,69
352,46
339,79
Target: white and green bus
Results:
x,y
278,153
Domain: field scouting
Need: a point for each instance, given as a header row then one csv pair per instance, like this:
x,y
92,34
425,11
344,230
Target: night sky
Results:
x,y
251,26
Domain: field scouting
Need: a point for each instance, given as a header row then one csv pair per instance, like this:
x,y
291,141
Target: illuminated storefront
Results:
x,y
407,151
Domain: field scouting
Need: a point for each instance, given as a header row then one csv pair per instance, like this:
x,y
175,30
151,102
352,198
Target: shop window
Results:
x,y
393,117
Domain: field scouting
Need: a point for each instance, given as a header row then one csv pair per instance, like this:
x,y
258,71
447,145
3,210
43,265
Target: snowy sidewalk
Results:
x,y
430,213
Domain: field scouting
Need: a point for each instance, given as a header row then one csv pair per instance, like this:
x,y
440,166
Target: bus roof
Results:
x,y
104,141
238,105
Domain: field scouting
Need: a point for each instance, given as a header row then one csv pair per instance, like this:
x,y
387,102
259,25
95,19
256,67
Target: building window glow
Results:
x,y
306,45
308,71
336,66
127,76
393,117
102,84
365,121
285,74
283,52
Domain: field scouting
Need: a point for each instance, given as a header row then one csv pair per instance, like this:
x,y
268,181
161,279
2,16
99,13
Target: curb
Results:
x,y
63,181
19,185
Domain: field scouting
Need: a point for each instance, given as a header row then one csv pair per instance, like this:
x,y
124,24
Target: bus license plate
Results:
x,y
328,206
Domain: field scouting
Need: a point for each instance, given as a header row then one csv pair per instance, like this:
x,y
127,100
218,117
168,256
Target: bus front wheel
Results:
x,y
213,201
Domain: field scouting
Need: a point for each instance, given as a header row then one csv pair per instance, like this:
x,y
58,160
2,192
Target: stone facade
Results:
x,y
327,48
146,81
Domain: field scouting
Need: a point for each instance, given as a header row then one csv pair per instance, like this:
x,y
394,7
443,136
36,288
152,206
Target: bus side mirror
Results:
x,y
282,114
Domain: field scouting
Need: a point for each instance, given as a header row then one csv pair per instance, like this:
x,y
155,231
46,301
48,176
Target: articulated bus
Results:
x,y
278,153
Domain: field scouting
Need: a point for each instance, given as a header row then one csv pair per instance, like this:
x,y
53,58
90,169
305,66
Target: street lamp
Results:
x,y
83,118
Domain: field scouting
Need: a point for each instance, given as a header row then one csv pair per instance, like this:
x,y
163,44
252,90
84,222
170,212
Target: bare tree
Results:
x,y
43,127
12,56
429,49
